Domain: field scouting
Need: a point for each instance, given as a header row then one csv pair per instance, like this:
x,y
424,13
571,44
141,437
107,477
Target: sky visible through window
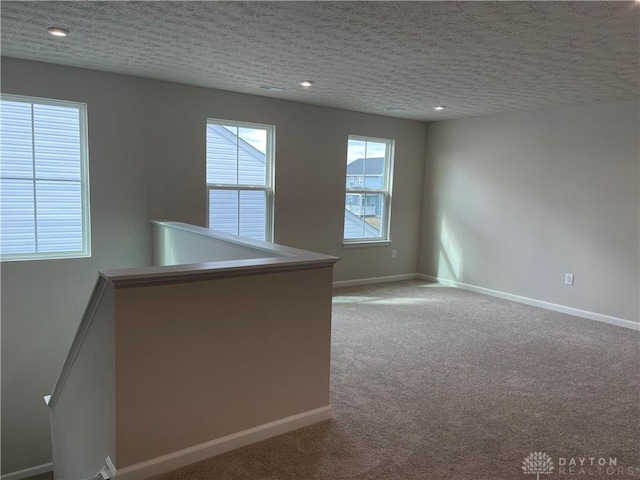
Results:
x,y
356,150
253,136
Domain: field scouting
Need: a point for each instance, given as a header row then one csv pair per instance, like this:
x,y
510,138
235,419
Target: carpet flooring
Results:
x,y
430,382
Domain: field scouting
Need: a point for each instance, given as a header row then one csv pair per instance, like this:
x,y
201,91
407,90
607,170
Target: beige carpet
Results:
x,y
430,382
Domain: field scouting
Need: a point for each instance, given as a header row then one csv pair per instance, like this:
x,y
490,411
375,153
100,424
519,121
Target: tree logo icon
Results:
x,y
538,463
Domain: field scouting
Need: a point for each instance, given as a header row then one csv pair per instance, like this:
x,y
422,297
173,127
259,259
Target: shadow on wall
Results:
x,y
449,258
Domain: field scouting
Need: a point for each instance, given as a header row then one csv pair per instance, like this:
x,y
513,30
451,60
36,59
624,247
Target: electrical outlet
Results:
x,y
393,254
568,279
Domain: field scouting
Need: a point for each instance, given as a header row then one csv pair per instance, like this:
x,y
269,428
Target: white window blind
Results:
x,y
44,209
240,178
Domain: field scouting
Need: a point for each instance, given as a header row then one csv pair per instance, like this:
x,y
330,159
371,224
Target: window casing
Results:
x,y
368,202
240,178
44,179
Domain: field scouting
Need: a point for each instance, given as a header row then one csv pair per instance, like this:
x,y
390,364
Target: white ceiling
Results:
x,y
475,58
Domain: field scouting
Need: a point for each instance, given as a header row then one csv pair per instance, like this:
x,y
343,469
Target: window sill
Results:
x,y
364,244
43,256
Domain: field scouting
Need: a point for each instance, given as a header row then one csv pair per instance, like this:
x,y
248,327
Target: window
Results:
x,y
368,204
240,178
44,187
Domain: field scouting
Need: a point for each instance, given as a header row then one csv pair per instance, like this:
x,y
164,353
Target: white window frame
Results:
x,y
268,188
84,181
385,191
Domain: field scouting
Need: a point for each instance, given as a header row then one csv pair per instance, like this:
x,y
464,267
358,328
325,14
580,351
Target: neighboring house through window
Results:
x,y
240,178
44,179
368,192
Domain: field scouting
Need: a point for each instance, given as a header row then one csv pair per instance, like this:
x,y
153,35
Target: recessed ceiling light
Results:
x,y
306,83
439,108
394,109
58,31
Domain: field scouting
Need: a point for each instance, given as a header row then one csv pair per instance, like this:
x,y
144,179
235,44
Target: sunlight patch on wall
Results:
x,y
450,258
170,248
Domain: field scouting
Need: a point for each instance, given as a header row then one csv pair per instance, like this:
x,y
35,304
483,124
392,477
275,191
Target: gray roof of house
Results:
x,y
374,166
354,225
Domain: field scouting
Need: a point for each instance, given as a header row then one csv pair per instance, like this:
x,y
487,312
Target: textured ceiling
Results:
x,y
473,57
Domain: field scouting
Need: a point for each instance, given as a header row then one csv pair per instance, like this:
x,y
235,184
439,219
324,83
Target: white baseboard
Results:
x,y
181,458
620,322
367,281
28,472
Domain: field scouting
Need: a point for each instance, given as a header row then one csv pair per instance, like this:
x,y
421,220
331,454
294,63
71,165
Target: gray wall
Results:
x,y
86,404
147,160
232,365
310,169
513,202
43,300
